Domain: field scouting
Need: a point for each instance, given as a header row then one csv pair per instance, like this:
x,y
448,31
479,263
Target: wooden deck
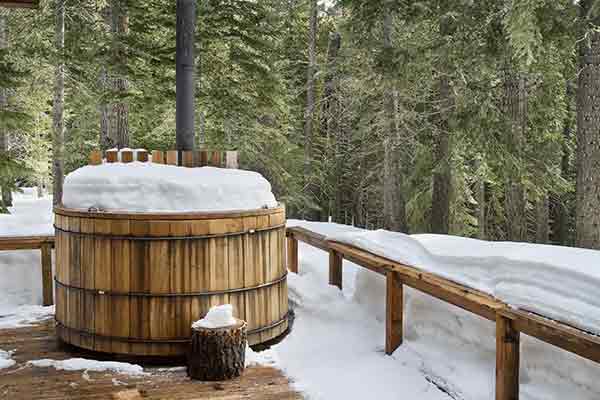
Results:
x,y
32,343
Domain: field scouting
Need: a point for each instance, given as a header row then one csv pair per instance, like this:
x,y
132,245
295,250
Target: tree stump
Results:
x,y
217,354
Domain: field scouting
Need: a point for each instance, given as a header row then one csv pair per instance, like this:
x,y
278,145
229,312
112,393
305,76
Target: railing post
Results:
x,y
292,254
507,359
47,294
335,268
394,311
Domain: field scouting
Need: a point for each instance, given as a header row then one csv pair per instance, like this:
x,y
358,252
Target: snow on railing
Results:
x,y
510,323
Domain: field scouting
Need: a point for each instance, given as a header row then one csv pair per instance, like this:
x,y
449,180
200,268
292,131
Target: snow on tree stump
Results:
x,y
217,354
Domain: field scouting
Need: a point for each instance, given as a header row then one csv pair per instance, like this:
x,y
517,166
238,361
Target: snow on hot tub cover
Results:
x,y
148,187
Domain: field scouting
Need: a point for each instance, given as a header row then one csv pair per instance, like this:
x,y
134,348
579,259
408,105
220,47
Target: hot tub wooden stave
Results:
x,y
133,283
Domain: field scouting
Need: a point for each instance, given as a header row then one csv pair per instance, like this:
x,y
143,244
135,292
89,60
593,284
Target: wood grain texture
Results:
x,y
394,311
141,156
566,337
216,158
188,158
191,216
172,156
507,359
158,157
128,296
40,341
126,156
47,293
95,157
217,354
25,242
335,269
292,254
112,156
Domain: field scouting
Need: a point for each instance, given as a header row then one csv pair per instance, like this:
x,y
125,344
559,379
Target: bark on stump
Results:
x,y
217,354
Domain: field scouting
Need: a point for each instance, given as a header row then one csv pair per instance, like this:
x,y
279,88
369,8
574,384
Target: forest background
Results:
x,y
475,118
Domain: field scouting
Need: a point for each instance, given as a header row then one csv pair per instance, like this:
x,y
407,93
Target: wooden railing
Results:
x,y
509,322
45,245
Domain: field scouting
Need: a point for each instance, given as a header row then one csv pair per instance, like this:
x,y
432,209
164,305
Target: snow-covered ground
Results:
x,y
336,348
5,359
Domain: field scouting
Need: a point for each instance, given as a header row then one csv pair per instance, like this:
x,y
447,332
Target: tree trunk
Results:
x,y
309,187
330,116
105,140
480,197
119,121
516,112
119,115
201,138
542,231
442,178
394,207
184,60
58,106
6,195
217,354
114,115
442,173
562,216
588,138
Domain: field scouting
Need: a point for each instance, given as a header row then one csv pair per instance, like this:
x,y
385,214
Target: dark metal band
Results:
x,y
151,238
195,294
86,332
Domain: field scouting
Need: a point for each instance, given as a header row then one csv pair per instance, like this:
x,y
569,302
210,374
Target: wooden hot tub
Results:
x,y
132,283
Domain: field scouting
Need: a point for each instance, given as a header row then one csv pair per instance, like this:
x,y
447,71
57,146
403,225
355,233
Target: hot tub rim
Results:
x,y
166,215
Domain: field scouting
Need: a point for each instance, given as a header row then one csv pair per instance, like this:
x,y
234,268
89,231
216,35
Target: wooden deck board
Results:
x,y
39,341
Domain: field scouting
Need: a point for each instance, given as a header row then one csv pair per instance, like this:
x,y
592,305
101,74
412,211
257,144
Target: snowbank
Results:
x,y
336,347
148,187
265,358
83,364
217,317
560,283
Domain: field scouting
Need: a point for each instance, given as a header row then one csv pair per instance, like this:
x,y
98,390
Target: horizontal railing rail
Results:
x,y
509,322
45,245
